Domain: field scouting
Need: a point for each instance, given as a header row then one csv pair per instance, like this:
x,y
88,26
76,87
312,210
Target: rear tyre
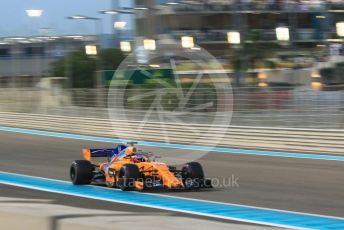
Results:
x,y
128,175
193,175
81,172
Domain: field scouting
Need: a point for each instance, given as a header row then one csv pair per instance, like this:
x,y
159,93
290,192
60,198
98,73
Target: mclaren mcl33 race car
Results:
x,y
130,169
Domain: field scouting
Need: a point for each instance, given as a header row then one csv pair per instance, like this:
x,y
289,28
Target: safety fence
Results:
x,y
298,107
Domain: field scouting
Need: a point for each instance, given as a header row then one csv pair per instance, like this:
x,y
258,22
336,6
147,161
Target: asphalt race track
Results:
x,y
302,185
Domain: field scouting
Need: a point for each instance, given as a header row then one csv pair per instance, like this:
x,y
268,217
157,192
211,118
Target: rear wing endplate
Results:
x,y
109,153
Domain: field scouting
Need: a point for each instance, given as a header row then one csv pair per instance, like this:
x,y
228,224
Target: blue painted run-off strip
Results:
x,y
178,146
197,207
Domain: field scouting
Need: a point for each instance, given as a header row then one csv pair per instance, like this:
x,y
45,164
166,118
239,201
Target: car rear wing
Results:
x,y
109,153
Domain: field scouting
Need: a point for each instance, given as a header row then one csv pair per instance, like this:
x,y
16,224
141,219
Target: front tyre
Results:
x,y
81,172
128,175
193,175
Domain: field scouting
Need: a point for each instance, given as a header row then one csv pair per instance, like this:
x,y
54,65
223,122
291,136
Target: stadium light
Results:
x,y
109,12
119,25
140,8
125,46
316,85
187,42
91,50
282,34
154,65
262,75
263,84
81,17
34,13
149,44
77,17
340,29
116,11
17,38
233,37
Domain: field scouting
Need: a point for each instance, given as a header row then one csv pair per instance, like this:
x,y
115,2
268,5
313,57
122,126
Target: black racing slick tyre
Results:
x,y
193,175
128,175
81,172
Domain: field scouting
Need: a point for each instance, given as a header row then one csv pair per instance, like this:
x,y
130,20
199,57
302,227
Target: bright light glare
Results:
x,y
91,49
263,84
187,42
316,85
282,33
154,65
110,12
75,36
233,37
262,75
119,25
141,8
340,28
125,46
25,41
315,73
17,38
78,17
149,44
34,13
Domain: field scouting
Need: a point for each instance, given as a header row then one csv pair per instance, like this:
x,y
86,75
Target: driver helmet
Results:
x,y
139,158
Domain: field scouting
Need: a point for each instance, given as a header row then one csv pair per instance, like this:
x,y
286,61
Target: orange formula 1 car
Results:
x,y
130,169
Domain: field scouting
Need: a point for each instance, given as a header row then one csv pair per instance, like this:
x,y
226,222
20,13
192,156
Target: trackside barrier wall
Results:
x,y
329,141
